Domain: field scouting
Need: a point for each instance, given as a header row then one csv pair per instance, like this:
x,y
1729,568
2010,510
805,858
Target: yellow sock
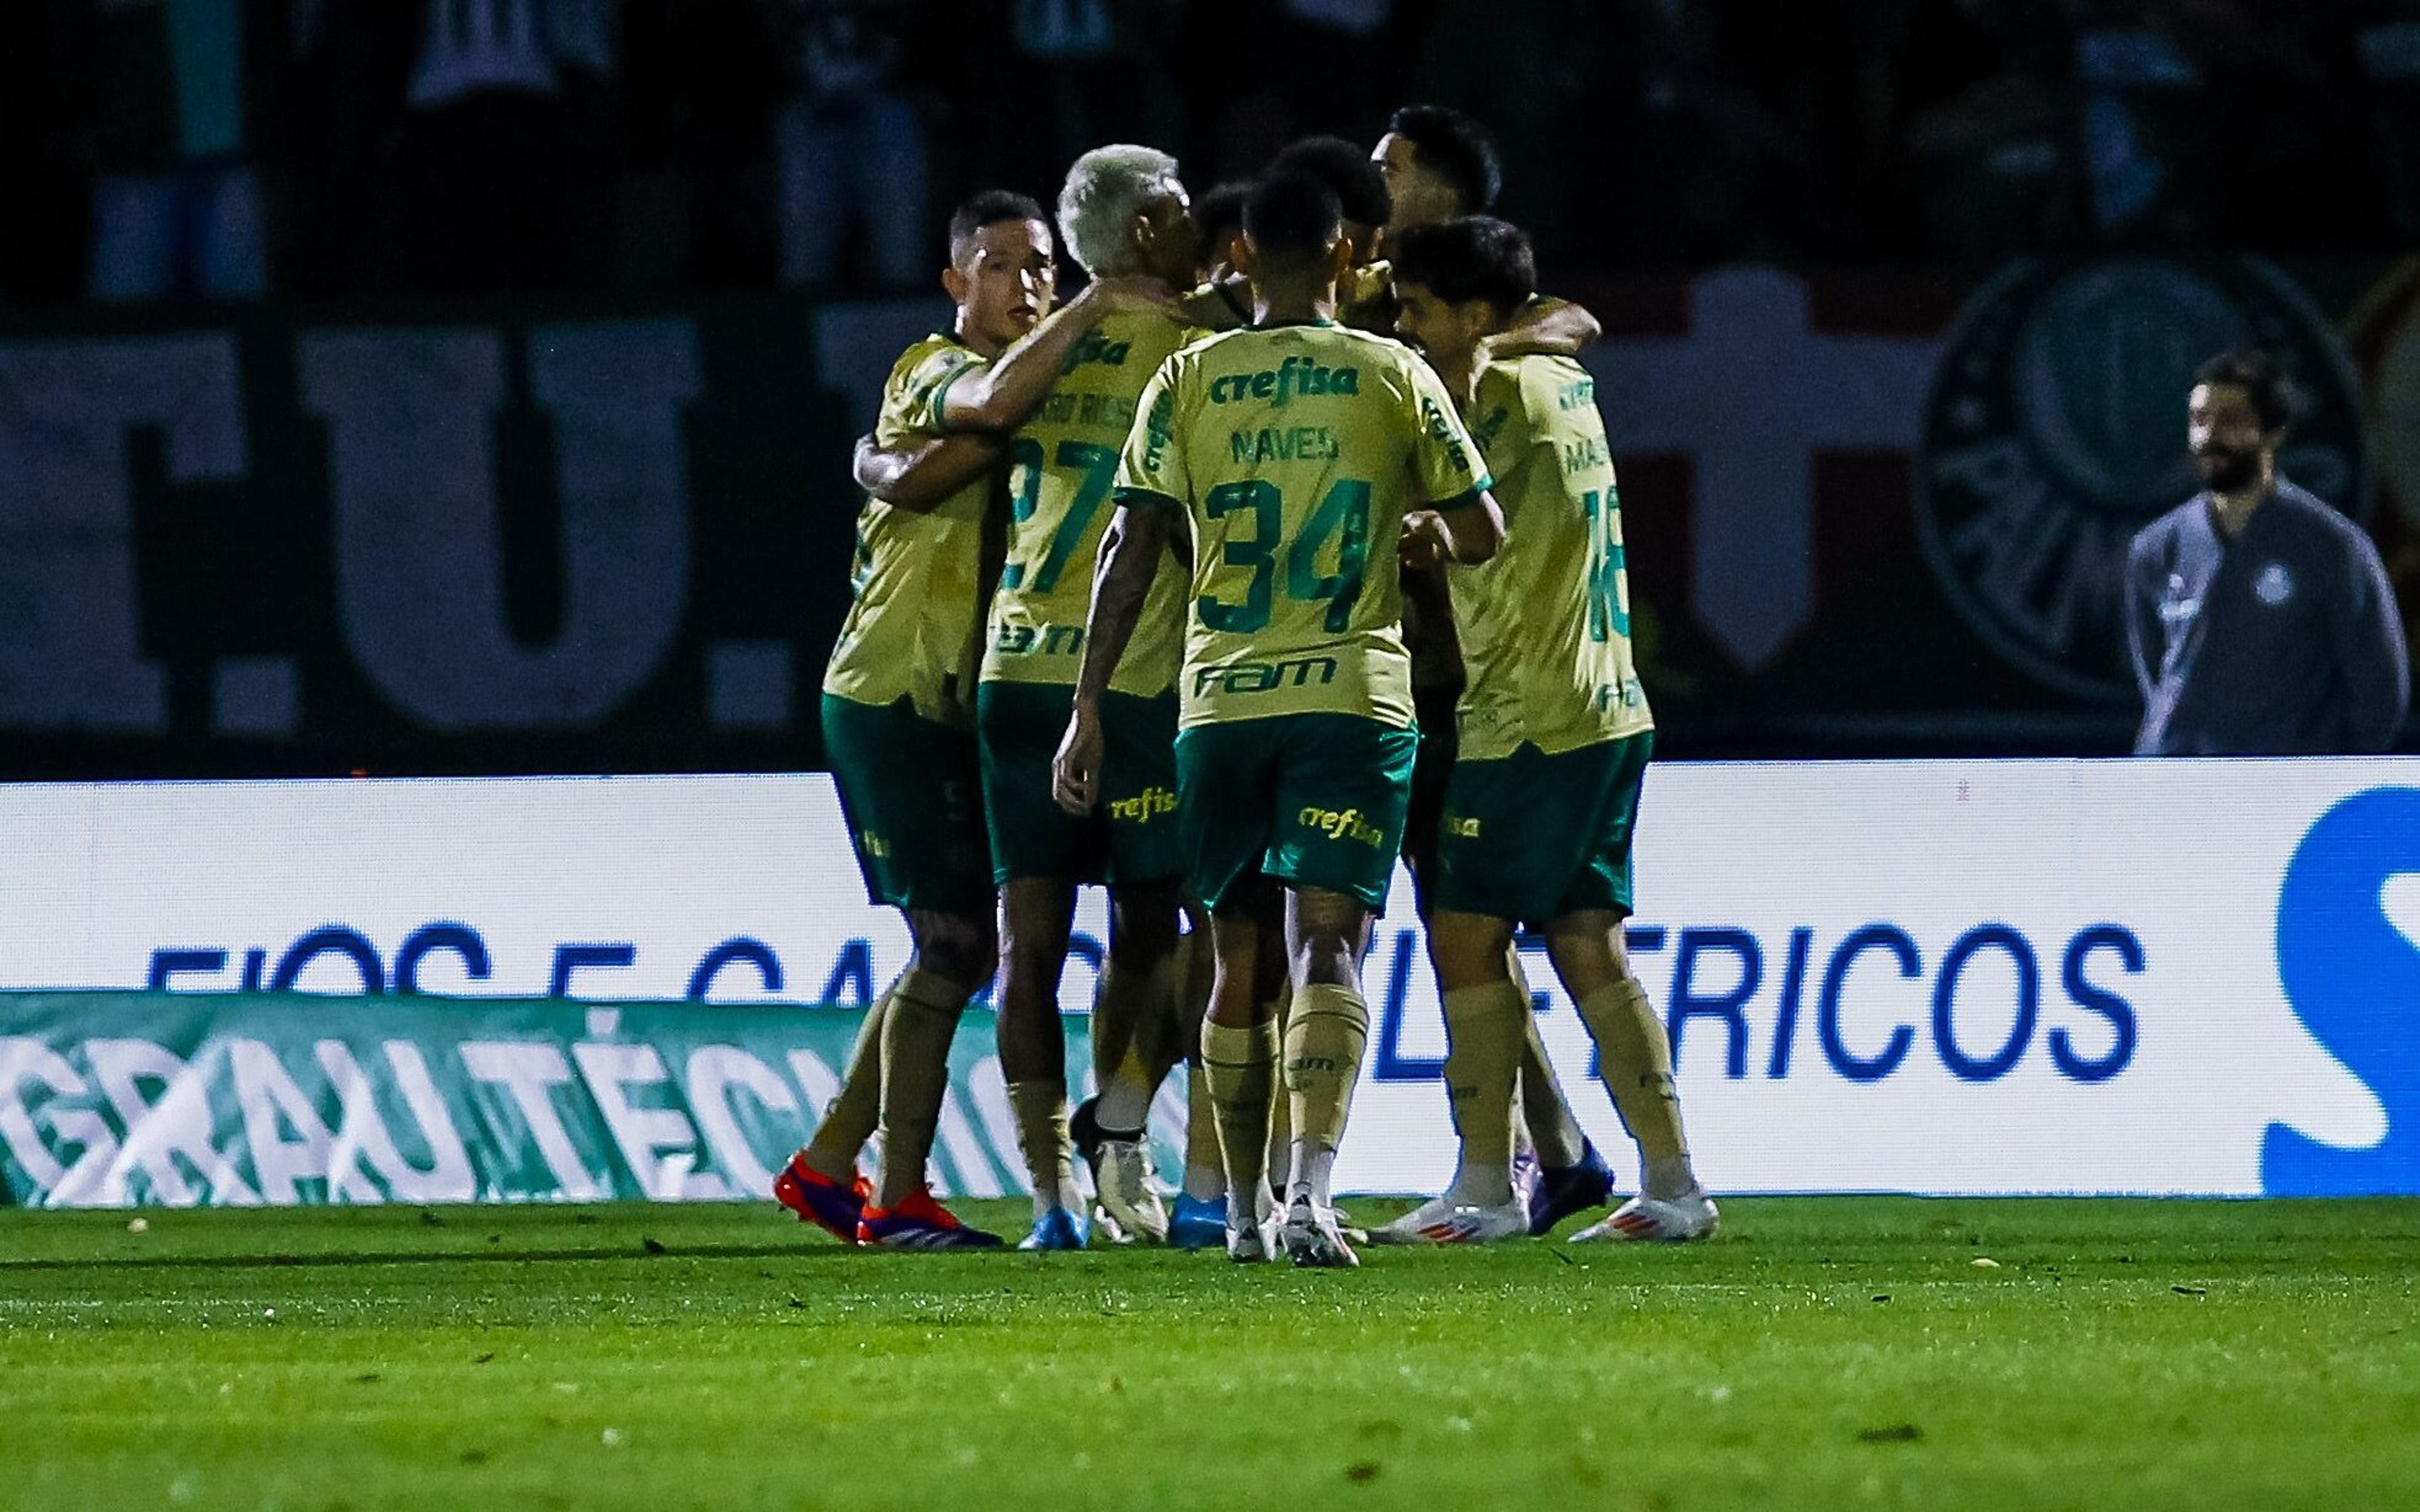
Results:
x,y
849,1119
916,1034
1041,1109
1482,1027
1323,1040
1240,1066
1636,1057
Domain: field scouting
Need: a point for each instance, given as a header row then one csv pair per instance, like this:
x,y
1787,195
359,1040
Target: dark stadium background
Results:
x,y
1895,167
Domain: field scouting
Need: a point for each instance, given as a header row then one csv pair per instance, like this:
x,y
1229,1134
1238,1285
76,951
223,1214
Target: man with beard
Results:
x,y
2260,620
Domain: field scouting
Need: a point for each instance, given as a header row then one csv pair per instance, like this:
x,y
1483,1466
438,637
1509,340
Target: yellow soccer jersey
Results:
x,y
1295,451
1545,623
916,586
1062,466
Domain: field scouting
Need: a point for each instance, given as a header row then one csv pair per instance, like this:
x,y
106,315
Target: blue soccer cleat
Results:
x,y
1057,1230
1564,1190
1197,1223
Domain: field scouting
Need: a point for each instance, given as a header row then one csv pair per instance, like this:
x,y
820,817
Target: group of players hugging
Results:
x,y
1289,546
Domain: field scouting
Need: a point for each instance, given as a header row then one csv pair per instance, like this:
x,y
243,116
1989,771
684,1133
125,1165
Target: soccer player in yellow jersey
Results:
x,y
898,716
1299,458
1555,738
1123,213
1437,164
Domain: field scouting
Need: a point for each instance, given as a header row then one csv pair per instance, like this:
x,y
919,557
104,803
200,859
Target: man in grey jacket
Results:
x,y
2261,619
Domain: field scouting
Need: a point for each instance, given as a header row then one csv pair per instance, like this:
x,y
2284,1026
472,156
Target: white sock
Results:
x,y
1666,1176
1313,1169
1249,1210
1480,1186
1122,1108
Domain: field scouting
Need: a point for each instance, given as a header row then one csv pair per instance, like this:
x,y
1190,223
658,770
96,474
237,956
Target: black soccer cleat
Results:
x,y
1564,1190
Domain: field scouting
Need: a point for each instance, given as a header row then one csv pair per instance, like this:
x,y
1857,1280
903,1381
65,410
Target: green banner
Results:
x,y
119,1100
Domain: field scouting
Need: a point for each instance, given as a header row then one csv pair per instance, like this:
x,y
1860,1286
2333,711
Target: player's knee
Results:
x,y
1143,927
1326,932
1587,952
1326,950
964,947
1468,950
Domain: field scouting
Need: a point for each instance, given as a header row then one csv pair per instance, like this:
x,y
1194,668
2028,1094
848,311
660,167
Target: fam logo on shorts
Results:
x,y
2056,429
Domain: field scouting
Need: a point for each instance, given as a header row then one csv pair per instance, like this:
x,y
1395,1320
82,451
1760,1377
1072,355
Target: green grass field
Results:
x,y
1823,1354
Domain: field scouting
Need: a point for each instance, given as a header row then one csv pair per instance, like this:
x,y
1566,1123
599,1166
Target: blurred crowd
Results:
x,y
225,150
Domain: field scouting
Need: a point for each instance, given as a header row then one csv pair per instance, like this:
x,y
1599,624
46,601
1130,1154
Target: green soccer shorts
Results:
x,y
1131,838
912,796
1316,800
1531,837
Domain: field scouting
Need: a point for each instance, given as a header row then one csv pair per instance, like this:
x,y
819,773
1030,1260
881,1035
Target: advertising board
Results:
x,y
1981,977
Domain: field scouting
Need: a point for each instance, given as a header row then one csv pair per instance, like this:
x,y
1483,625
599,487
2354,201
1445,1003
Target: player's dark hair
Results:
x,y
2256,373
1219,212
1359,188
989,207
1291,217
1455,148
1477,257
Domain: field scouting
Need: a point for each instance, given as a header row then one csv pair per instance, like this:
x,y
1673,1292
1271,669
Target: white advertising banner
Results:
x,y
1943,977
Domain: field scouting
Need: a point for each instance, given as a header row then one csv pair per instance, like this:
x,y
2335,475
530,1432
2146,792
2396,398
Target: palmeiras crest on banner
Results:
x,y
2056,429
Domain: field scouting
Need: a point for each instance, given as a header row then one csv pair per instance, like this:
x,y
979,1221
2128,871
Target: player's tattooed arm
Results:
x,y
1545,327
1004,393
1466,531
919,476
1122,578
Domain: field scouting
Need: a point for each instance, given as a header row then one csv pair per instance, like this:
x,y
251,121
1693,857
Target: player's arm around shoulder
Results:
x,y
1007,390
922,472
1546,327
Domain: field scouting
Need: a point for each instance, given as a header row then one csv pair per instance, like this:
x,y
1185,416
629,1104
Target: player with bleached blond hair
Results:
x,y
1290,462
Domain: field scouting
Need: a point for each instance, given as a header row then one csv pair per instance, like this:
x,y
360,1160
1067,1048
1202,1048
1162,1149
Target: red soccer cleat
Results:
x,y
817,1199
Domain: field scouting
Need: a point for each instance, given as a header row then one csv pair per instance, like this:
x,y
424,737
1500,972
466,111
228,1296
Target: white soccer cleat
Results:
x,y
1252,1244
1657,1219
1412,1228
1126,1194
1310,1238
1444,1221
